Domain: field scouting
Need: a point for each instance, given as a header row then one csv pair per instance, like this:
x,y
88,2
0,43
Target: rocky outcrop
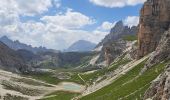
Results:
x,y
162,52
108,55
113,45
160,88
154,21
111,51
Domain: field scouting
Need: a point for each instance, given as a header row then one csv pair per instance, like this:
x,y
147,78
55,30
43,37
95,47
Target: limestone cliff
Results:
x,y
160,88
154,21
161,53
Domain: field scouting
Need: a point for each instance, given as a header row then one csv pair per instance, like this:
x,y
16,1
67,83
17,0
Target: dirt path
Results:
x,y
81,78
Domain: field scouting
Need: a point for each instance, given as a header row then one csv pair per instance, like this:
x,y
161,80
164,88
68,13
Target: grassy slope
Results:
x,y
128,84
130,37
89,78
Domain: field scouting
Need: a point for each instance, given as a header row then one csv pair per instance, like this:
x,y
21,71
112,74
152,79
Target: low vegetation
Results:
x,y
52,79
130,37
90,78
128,87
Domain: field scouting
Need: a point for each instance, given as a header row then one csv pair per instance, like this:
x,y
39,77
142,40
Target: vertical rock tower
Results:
x,y
154,21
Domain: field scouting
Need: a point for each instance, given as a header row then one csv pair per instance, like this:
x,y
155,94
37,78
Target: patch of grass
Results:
x,y
130,37
89,78
60,96
118,64
49,78
130,83
75,78
137,94
46,77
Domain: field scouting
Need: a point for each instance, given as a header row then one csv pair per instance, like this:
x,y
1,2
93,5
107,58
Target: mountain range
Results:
x,y
16,45
130,63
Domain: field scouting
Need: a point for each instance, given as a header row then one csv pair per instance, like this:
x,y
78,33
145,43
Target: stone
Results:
x,y
162,52
154,21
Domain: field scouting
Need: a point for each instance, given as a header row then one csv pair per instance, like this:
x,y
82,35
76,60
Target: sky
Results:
x,y
56,24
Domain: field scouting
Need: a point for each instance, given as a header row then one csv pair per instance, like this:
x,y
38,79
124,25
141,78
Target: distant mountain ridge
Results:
x,y
81,46
16,45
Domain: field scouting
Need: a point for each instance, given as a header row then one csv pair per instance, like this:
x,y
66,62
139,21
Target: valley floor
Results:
x,y
16,87
120,81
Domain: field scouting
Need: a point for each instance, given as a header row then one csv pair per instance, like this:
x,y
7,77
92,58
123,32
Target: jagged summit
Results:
x,y
117,32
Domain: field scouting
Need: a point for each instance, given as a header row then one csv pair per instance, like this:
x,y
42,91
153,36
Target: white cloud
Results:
x,y
70,19
57,32
106,26
116,3
131,21
33,7
7,18
27,7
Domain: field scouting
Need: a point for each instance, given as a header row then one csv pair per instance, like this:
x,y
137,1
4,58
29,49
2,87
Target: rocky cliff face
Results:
x,y
161,53
154,21
113,44
154,36
160,88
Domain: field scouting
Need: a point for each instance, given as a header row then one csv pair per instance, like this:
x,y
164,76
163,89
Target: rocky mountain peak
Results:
x,y
117,32
154,21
